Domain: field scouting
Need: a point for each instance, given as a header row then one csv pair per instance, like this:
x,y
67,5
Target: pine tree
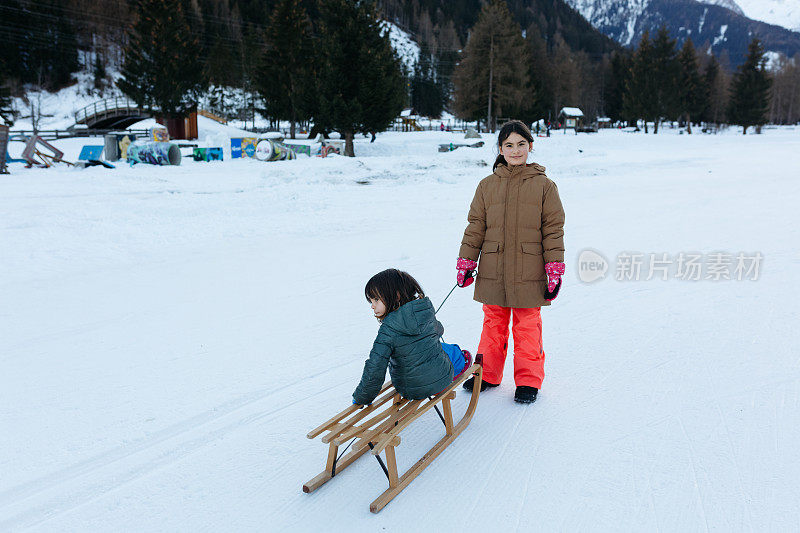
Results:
x,y
99,73
710,77
14,31
6,112
615,83
715,81
666,75
38,43
693,92
54,55
285,79
162,68
540,73
493,75
565,70
223,72
223,68
427,97
638,101
360,84
750,90
60,56
6,109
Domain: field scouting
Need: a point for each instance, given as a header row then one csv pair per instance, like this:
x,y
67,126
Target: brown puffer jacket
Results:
x,y
516,225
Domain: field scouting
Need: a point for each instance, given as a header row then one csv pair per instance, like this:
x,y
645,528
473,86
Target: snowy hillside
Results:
x,y
405,46
169,335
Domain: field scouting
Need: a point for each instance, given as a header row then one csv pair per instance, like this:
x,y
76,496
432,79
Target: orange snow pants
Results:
x,y
528,352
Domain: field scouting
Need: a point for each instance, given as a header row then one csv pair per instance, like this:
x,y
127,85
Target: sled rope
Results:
x,y
371,446
446,297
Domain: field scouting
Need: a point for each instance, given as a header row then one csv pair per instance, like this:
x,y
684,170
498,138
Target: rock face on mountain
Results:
x,y
718,24
730,4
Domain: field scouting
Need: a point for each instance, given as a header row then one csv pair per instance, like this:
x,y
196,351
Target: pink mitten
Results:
x,y
554,272
466,272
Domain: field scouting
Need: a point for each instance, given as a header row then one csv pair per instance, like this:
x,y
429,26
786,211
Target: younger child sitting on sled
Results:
x,y
408,342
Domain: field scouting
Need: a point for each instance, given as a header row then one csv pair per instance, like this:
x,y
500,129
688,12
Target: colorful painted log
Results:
x,y
154,153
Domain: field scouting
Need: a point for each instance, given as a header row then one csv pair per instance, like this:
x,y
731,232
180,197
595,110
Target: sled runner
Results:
x,y
377,428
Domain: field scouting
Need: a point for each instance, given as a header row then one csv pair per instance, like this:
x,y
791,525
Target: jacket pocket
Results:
x,y
532,261
489,265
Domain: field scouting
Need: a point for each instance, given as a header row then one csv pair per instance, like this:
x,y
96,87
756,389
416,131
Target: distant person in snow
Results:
x,y
407,343
515,240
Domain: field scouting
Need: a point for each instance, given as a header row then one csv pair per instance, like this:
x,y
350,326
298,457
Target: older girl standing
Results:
x,y
515,239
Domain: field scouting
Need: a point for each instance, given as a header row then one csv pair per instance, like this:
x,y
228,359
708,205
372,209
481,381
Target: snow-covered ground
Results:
x,y
168,336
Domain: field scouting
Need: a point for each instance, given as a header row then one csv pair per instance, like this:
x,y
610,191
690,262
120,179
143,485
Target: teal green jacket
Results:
x,y
408,343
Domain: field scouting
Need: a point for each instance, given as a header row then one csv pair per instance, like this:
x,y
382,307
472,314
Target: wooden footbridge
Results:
x,y
111,113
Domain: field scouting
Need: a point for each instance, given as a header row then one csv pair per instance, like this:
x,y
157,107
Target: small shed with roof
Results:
x,y
570,117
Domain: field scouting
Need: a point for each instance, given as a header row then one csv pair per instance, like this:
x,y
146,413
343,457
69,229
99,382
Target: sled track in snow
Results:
x,y
475,504
42,499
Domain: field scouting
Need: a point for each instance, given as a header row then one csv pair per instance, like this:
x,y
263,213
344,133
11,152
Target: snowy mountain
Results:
x,y
722,25
784,13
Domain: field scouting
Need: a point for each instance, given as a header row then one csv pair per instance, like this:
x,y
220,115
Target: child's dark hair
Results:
x,y
394,288
512,126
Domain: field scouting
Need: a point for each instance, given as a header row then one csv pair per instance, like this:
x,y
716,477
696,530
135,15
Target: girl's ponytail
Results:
x,y
499,161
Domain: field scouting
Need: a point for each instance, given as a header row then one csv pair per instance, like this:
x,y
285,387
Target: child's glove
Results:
x,y
466,272
554,272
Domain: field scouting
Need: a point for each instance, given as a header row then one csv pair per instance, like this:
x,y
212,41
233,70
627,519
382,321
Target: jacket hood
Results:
x,y
530,169
414,318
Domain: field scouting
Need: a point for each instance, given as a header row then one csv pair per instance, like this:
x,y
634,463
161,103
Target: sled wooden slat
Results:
x,y
381,433
370,435
341,416
355,431
346,427
405,409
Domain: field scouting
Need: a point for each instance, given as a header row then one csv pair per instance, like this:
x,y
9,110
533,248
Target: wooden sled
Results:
x,y
381,433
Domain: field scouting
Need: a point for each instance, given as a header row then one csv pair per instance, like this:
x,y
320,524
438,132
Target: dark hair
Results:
x,y
394,288
512,126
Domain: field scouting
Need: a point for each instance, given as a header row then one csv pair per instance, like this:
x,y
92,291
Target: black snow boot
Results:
x,y
526,394
484,385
